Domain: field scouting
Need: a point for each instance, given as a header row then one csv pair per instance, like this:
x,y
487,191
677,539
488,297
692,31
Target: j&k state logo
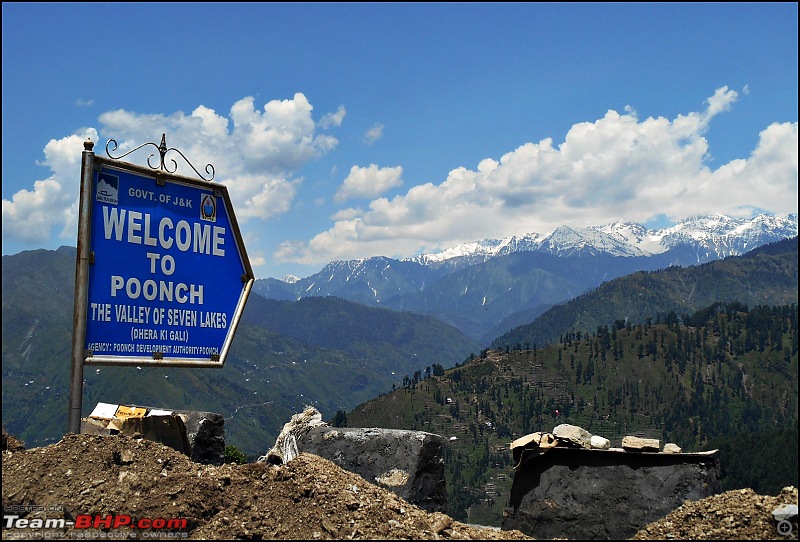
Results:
x,y
208,208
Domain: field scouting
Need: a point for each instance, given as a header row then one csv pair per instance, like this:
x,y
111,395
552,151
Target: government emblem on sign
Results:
x,y
107,190
208,208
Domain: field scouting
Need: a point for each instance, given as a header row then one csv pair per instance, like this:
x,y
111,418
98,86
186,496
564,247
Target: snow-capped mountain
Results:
x,y
709,237
721,236
485,286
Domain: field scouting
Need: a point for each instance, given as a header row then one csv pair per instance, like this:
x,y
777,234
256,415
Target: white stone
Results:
x,y
574,434
671,448
600,443
785,512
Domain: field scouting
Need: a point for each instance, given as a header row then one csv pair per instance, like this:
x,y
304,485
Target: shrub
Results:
x,y
234,455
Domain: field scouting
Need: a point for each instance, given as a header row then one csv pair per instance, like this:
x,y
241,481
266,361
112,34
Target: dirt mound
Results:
x,y
307,498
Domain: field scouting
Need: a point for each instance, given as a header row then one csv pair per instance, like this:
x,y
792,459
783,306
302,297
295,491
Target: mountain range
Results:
x,y
335,351
709,237
486,288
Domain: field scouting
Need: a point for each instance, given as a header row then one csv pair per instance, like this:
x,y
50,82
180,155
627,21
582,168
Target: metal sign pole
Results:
x,y
81,290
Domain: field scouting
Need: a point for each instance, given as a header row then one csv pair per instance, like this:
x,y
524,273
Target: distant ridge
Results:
x,y
767,275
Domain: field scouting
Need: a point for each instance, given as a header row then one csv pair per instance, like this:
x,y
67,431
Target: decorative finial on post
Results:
x,y
88,145
162,150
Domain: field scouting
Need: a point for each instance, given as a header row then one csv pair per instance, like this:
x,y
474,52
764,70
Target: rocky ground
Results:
x,y
307,498
734,515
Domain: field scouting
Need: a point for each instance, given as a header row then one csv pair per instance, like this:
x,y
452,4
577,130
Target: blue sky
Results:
x,y
345,131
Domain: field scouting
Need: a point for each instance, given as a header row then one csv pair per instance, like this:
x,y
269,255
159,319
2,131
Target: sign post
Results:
x,y
81,286
165,270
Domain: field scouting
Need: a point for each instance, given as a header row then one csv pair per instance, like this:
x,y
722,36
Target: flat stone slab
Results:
x,y
639,444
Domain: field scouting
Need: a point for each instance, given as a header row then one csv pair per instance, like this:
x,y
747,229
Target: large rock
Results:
x,y
785,512
205,432
408,463
575,493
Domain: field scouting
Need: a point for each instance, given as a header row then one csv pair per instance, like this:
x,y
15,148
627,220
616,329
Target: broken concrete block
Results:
x,y
285,448
168,430
532,443
408,463
535,440
205,432
125,412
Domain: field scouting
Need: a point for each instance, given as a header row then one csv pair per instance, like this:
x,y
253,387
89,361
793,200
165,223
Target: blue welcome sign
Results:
x,y
168,273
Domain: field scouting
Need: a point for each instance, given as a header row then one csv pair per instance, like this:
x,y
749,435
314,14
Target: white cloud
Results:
x,y
258,151
618,166
282,139
257,261
347,214
368,182
766,180
333,120
373,134
488,165
32,215
259,196
720,101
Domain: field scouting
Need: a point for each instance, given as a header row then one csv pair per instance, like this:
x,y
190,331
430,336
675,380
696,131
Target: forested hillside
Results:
x,y
765,276
326,352
701,380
